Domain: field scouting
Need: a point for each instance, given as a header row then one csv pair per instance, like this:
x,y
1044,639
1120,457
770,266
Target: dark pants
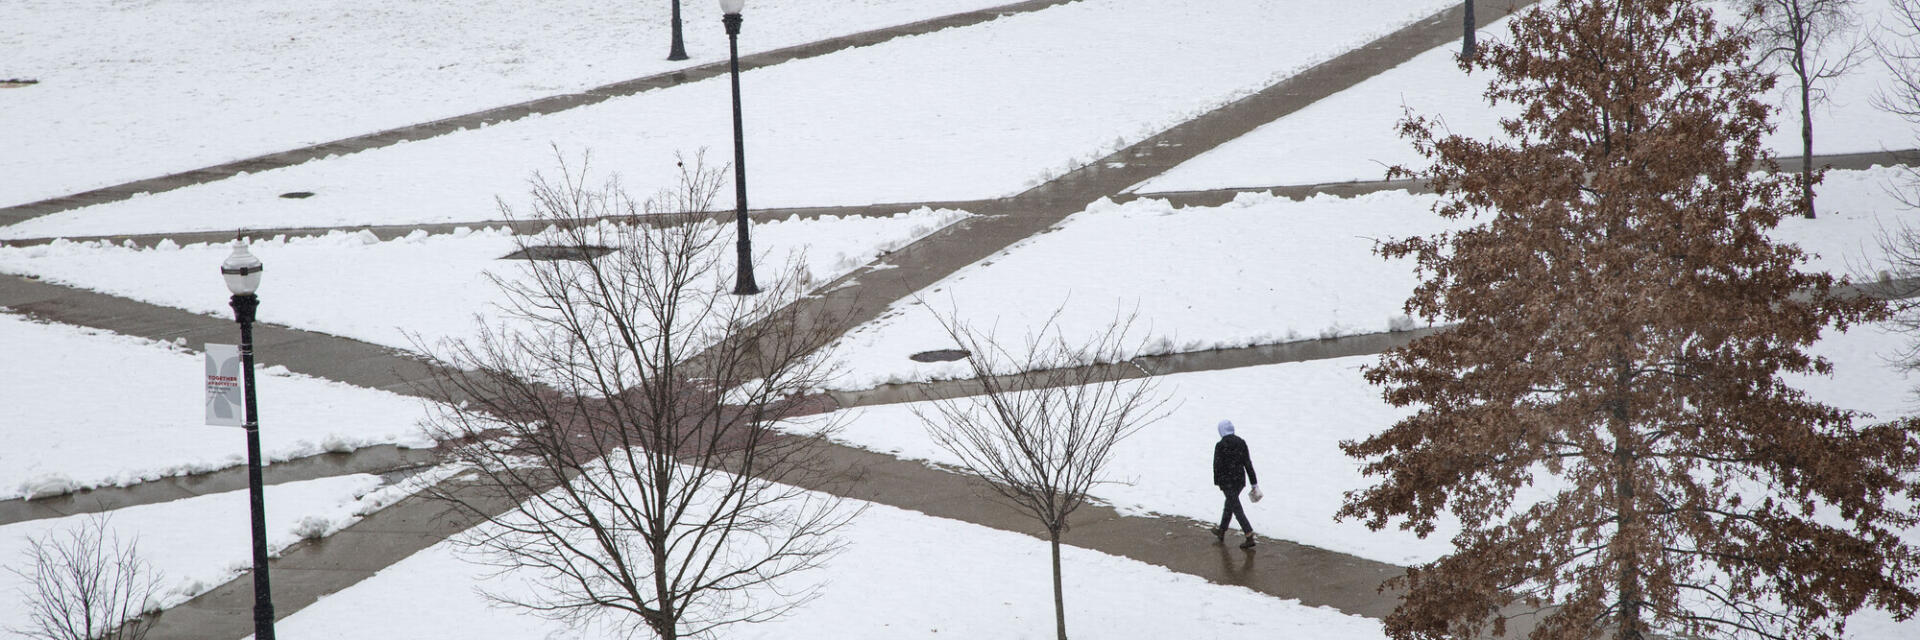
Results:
x,y
1233,510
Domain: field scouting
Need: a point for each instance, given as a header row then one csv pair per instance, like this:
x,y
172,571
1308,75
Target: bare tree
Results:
x,y
85,583
1898,48
1807,38
1041,428
620,409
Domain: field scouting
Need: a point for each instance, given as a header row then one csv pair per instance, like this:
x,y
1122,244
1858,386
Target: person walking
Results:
x,y
1233,471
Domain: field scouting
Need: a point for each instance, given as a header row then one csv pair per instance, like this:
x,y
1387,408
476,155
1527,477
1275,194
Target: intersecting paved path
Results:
x,y
310,571
1311,575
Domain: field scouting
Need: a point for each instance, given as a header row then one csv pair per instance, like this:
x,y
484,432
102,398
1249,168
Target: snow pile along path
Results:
x,y
959,114
88,408
199,543
133,90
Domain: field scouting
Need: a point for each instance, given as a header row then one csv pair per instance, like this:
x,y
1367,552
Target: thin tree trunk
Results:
x,y
1466,41
1059,597
669,628
1806,143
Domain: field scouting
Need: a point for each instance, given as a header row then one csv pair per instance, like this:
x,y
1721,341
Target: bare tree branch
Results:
x,y
85,583
1897,45
616,422
1041,429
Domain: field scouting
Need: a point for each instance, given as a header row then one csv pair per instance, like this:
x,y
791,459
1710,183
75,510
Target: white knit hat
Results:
x,y
1226,428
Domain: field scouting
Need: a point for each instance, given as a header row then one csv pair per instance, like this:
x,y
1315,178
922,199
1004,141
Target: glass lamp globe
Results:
x,y
242,270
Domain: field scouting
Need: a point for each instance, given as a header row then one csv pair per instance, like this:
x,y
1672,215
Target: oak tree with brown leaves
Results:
x,y
1608,420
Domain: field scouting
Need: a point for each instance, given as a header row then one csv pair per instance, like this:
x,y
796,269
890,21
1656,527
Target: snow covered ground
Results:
x,y
955,115
902,575
1354,135
134,89
131,90
200,542
1293,417
1259,270
433,286
88,408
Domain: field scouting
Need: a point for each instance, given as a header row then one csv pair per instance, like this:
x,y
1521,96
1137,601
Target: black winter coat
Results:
x,y
1232,468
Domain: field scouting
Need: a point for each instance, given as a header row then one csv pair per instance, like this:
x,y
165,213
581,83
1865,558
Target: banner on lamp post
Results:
x,y
226,407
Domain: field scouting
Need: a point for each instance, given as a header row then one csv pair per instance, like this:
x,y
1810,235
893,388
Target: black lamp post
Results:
x,y
1466,41
743,280
242,272
679,49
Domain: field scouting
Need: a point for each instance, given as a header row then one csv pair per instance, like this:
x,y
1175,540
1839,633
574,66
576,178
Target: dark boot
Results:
x,y
1249,543
1219,535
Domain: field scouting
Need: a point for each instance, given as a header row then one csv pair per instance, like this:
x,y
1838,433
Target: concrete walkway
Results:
x,y
1158,365
391,231
310,570
1217,197
551,104
378,459
1238,357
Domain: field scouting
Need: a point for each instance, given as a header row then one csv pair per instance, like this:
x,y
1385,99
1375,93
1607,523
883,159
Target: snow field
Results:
x,y
150,423
201,542
1854,209
1262,269
1866,377
902,575
959,114
132,90
1354,135
434,286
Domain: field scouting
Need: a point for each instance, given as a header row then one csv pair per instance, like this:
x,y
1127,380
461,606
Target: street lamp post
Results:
x,y
678,50
242,273
743,279
1466,41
